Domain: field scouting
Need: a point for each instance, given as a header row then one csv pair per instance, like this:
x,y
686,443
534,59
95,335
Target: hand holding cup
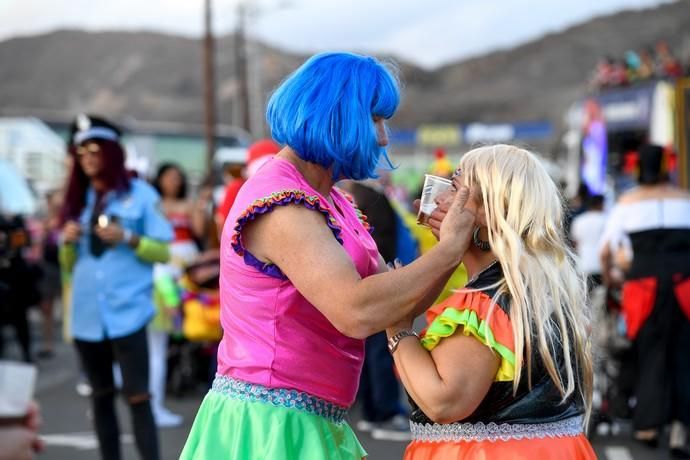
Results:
x,y
458,222
434,187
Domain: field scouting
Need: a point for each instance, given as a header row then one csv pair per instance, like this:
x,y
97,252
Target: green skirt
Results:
x,y
230,428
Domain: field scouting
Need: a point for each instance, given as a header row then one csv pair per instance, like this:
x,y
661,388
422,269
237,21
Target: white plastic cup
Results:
x,y
433,187
16,391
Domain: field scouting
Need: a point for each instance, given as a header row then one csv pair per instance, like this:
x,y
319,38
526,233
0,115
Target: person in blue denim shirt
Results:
x,y
113,233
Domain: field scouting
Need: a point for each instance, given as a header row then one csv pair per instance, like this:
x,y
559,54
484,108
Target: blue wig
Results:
x,y
325,112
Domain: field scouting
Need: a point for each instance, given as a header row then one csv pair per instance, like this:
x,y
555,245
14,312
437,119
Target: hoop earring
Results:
x,y
482,245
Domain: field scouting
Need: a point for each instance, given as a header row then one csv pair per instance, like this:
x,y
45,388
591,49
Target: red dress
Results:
x,y
231,191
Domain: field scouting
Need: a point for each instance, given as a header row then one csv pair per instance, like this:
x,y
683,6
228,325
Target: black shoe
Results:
x,y
680,452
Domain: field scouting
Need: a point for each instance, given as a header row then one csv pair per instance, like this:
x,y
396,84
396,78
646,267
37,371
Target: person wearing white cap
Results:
x,y
112,234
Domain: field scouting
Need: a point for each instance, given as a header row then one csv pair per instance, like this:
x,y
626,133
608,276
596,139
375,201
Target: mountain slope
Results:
x,y
153,76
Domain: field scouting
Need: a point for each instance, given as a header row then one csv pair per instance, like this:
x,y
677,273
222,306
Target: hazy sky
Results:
x,y
429,32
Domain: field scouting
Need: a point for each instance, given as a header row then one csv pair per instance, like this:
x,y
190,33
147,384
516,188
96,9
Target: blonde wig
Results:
x,y
524,216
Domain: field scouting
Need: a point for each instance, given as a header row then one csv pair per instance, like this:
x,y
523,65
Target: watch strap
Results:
x,y
127,235
394,341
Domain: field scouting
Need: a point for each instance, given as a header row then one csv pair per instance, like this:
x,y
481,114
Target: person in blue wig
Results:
x,y
302,282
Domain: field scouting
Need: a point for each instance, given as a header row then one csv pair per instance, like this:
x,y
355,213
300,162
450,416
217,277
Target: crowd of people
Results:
x,y
307,301
636,256
634,66
129,261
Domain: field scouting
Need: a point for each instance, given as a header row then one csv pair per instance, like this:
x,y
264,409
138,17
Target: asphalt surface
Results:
x,y
69,435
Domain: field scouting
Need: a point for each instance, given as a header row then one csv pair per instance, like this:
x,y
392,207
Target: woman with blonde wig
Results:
x,y
504,369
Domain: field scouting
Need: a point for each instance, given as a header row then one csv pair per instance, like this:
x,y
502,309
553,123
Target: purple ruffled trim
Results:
x,y
265,205
264,267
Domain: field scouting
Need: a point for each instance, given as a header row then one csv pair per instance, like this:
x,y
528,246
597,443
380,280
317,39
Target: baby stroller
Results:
x,y
193,351
613,363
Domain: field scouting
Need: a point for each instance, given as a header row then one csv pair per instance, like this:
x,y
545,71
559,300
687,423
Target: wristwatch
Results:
x,y
130,238
127,235
395,340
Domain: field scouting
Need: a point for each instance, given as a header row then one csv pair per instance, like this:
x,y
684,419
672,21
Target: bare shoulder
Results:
x,y
678,193
284,225
287,218
653,193
185,205
176,207
632,196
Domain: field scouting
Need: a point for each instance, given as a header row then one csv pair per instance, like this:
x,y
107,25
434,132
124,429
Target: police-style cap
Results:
x,y
90,127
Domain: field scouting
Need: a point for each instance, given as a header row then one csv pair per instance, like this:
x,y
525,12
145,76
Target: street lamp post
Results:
x,y
209,86
248,62
241,66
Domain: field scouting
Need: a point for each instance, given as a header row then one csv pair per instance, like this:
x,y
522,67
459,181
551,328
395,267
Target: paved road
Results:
x,y
69,434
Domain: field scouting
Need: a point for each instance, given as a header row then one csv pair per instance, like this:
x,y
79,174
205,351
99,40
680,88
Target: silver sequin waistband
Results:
x,y
494,432
279,397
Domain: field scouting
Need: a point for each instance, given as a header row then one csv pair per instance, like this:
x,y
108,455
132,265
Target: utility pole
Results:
x,y
241,66
209,87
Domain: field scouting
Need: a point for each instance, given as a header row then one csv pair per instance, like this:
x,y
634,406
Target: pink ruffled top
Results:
x,y
272,335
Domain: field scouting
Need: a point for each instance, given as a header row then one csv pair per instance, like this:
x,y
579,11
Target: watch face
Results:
x,y
103,220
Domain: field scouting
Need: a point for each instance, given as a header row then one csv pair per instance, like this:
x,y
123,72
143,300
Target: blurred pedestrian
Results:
x,y
632,64
302,283
656,297
189,222
574,207
504,368
602,74
187,216
18,282
619,74
585,233
234,179
257,155
441,166
113,233
667,64
379,389
647,66
51,283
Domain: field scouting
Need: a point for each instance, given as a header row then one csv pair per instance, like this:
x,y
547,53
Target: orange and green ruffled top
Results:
x,y
472,313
